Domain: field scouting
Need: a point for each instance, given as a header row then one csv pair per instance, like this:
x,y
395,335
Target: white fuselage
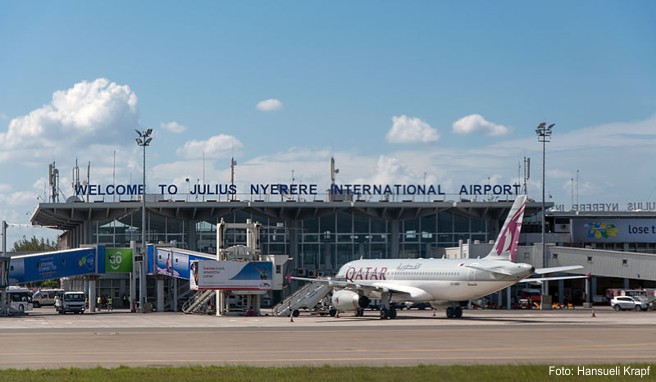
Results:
x,y
441,279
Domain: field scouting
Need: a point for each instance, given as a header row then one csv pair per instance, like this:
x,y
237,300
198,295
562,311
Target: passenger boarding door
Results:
x,y
471,277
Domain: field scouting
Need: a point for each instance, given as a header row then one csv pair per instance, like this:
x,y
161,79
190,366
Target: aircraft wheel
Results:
x,y
332,312
449,312
384,313
295,313
392,313
458,312
359,313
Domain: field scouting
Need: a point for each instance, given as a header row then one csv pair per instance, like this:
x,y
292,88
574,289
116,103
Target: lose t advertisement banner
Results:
x,y
614,230
233,275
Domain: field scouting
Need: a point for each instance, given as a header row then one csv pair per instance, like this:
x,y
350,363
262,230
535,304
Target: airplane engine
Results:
x,y
346,300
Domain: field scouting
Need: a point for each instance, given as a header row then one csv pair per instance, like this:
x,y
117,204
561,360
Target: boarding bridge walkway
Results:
x,y
306,297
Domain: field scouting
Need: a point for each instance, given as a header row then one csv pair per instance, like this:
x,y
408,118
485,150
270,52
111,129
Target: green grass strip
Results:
x,y
338,373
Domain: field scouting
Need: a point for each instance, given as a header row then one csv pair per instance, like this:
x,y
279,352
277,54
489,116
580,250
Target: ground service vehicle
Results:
x,y
71,302
628,303
45,297
20,299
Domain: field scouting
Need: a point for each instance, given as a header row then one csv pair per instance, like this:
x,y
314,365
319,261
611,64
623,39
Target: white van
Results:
x,y
45,297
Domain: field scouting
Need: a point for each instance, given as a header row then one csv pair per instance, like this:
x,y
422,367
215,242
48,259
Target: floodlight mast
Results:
x,y
544,135
143,140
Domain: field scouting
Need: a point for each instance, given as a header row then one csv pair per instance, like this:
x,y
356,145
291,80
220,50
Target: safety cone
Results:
x,y
593,313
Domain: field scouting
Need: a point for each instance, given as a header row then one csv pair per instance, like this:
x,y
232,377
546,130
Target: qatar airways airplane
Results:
x,y
438,281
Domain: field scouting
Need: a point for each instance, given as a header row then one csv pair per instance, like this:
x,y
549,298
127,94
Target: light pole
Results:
x,y
544,135
143,140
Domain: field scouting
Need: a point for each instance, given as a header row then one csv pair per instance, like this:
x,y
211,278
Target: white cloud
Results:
x,y
270,104
411,130
215,147
390,170
174,127
475,123
89,112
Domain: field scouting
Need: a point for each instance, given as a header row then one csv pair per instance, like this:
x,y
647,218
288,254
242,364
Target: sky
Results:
x,y
424,92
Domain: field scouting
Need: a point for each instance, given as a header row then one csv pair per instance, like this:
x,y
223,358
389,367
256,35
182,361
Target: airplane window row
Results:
x,y
427,273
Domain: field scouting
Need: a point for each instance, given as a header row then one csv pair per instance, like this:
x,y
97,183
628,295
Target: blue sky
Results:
x,y
397,92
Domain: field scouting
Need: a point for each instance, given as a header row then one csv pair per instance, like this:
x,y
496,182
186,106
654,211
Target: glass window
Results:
x,y
310,225
344,222
360,224
445,222
327,224
461,223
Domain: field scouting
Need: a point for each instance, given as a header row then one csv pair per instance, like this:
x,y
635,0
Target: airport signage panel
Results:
x,y
118,260
232,275
53,265
300,189
614,230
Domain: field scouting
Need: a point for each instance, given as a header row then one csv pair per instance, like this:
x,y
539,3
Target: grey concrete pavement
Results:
x,y
45,340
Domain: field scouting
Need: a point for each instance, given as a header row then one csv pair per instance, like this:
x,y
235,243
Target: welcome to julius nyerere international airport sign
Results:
x,y
300,189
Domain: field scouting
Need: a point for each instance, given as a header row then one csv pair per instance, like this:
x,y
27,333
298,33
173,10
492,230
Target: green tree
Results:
x,y
34,245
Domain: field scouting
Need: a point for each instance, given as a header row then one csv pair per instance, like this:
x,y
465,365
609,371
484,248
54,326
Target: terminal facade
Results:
x,y
321,235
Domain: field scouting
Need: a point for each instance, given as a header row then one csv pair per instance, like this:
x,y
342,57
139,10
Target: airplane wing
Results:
x,y
337,283
372,285
541,279
541,271
414,293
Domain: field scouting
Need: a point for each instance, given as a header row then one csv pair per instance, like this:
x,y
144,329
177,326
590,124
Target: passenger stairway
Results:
x,y
199,304
306,297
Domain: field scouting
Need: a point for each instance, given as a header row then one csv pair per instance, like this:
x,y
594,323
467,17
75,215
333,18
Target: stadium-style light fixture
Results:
x,y
143,140
544,135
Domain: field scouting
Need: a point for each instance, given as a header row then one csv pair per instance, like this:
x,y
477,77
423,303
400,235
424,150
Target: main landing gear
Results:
x,y
454,311
387,312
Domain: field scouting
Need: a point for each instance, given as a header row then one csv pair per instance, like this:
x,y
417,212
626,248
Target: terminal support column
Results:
x,y
133,278
160,294
92,294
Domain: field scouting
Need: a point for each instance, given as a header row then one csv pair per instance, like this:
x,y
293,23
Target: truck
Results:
x,y
71,302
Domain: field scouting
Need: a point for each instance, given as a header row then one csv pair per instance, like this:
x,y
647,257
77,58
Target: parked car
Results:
x,y
628,303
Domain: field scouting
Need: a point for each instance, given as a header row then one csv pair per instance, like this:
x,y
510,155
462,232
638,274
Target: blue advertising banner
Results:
x,y
53,265
174,262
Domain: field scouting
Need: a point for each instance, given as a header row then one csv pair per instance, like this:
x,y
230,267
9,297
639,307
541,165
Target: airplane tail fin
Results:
x,y
505,247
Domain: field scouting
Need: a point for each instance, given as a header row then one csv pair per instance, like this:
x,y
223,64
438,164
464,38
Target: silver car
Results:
x,y
627,303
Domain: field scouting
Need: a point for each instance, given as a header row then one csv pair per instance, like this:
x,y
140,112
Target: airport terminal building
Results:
x,y
321,232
